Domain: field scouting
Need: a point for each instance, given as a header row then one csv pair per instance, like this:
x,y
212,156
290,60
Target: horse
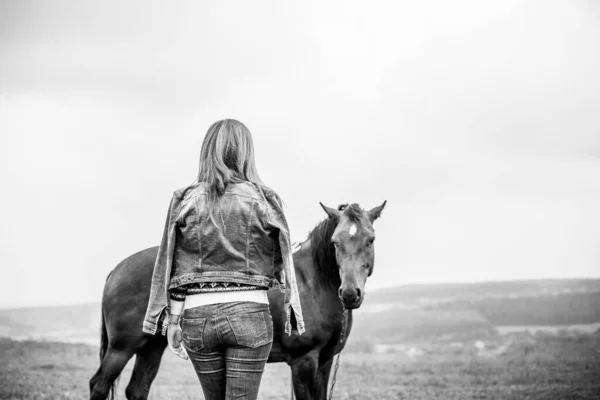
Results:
x,y
332,266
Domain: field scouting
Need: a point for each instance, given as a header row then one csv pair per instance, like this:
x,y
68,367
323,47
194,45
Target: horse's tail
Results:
x,y
104,347
292,384
103,339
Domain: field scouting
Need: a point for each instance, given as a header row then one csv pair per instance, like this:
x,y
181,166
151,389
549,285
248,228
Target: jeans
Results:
x,y
228,345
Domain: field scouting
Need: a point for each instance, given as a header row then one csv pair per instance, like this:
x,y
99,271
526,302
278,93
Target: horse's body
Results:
x,y
310,355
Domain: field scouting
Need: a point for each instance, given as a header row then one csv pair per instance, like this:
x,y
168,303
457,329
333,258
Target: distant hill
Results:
x,y
395,314
419,294
544,309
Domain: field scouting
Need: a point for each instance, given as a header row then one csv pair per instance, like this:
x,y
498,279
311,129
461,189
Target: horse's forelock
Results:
x,y
353,212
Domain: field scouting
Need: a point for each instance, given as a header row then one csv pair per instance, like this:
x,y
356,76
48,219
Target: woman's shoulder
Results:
x,y
189,191
252,189
270,193
272,197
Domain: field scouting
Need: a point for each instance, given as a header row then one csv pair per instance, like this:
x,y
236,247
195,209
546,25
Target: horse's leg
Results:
x,y
147,361
323,380
304,375
110,368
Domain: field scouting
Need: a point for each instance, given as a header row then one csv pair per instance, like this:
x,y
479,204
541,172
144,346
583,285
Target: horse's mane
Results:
x,y
323,251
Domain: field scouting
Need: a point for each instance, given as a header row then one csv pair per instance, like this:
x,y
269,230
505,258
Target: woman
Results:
x,y
226,241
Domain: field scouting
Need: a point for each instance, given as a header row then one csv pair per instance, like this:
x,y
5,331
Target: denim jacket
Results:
x,y
247,241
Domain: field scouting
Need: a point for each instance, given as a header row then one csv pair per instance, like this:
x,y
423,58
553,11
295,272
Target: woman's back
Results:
x,y
237,245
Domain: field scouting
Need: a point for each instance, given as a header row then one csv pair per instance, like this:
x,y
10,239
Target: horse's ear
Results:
x,y
376,212
332,212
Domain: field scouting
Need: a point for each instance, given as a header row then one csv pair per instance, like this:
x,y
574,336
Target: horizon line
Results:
x,y
382,288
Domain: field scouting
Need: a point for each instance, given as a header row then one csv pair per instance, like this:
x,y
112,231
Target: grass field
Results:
x,y
496,340
543,366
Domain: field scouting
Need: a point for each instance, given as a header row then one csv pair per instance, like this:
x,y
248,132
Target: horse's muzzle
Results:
x,y
351,297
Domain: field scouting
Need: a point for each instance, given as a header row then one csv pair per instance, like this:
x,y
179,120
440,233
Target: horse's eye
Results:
x,y
371,240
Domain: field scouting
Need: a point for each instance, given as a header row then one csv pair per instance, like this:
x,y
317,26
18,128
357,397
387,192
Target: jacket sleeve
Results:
x,y
277,220
159,298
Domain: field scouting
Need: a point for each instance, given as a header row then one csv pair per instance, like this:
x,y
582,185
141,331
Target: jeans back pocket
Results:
x,y
192,332
252,329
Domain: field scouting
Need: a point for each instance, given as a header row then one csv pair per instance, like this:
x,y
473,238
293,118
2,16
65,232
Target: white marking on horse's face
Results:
x,y
352,230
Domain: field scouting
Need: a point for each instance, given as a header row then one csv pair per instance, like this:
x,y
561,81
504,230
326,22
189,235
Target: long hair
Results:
x,y
227,156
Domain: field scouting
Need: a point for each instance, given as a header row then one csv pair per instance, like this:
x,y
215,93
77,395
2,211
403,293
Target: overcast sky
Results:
x,y
478,122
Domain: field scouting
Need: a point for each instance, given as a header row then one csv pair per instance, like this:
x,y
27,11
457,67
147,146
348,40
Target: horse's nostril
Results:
x,y
340,292
357,293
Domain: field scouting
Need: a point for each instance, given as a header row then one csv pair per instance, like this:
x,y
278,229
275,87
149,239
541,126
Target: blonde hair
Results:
x,y
227,156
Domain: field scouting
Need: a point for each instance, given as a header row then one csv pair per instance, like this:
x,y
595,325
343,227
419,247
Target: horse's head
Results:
x,y
353,240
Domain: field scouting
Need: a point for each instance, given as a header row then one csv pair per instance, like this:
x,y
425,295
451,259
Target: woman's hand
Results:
x,y
174,338
280,276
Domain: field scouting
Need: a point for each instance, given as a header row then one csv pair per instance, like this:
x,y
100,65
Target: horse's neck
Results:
x,y
322,286
315,274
